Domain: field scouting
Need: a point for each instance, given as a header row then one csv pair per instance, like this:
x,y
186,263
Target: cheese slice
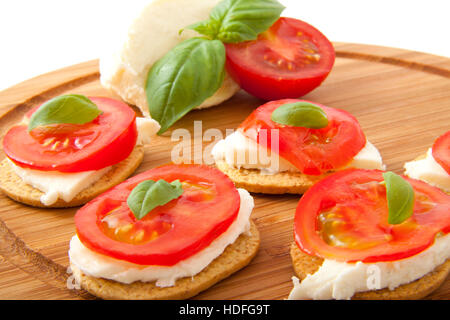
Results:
x,y
147,129
428,170
57,185
368,158
153,33
241,152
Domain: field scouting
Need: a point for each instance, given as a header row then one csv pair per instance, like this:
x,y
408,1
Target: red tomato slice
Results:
x,y
344,217
312,151
287,61
169,233
106,141
441,151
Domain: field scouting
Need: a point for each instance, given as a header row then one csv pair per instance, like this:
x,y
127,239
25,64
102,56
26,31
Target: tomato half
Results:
x,y
344,217
441,151
169,233
105,141
312,151
289,60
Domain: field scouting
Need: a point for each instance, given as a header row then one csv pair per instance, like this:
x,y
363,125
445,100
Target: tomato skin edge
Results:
x,y
441,151
309,160
266,85
273,89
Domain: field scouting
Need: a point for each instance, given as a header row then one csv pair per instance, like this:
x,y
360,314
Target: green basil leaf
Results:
x,y
233,21
300,114
72,108
185,77
149,194
400,197
207,28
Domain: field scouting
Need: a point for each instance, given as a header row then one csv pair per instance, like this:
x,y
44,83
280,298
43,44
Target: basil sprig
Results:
x,y
71,108
149,194
400,197
300,114
185,77
234,21
194,70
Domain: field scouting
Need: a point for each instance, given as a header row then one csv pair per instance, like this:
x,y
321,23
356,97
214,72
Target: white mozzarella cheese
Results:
x,y
239,151
153,33
428,170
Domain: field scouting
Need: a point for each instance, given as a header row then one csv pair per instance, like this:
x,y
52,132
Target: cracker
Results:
x,y
235,257
14,187
305,264
283,182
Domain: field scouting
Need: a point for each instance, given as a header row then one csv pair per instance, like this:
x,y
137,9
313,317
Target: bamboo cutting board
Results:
x,y
401,98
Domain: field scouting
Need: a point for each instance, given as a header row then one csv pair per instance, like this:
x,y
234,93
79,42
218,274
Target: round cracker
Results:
x,y
15,188
283,182
305,264
235,257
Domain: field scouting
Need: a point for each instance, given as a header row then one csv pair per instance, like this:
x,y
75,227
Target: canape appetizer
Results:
x,y
168,233
286,146
369,234
72,148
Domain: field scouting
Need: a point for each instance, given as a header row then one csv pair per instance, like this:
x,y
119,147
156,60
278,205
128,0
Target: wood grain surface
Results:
x,y
401,98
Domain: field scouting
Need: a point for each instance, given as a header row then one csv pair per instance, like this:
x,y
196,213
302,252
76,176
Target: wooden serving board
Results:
x,y
401,98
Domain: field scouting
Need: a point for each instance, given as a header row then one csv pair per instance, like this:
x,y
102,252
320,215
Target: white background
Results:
x,y
38,36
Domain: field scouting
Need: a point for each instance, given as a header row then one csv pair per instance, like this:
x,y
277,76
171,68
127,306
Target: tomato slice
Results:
x,y
344,217
107,140
169,233
289,60
312,151
441,151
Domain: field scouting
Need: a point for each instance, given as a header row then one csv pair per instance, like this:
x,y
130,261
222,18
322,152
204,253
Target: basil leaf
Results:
x,y
400,197
300,114
185,77
149,194
72,108
207,28
233,21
